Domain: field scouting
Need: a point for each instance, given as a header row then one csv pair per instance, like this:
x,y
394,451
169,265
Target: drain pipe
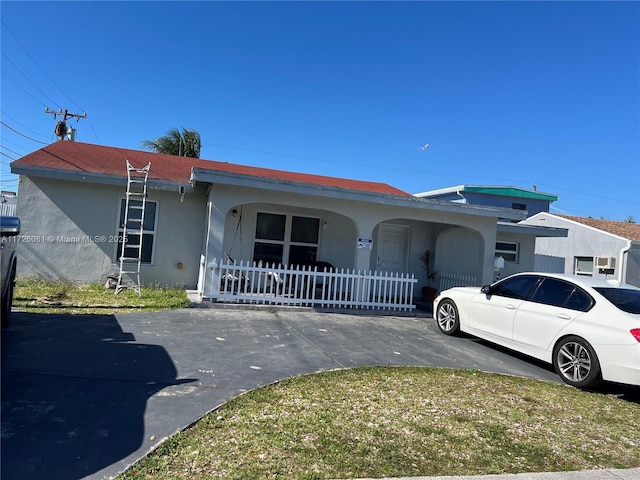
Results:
x,y
624,253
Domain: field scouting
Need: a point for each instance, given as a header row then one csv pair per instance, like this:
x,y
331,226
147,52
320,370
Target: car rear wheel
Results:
x,y
447,317
576,362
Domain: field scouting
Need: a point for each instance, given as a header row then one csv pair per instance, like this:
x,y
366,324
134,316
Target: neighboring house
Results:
x,y
516,198
512,242
595,248
71,198
8,202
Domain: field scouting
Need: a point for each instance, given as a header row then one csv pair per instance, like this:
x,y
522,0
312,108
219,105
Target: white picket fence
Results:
x,y
305,286
450,280
8,209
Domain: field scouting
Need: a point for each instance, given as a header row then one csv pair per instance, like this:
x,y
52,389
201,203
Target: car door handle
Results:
x,y
510,306
563,316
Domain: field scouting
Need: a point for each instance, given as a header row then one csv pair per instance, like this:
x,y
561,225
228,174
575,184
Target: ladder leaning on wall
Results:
x,y
132,229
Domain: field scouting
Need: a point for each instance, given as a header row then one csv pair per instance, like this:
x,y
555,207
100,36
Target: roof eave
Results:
x,y
100,178
226,178
526,229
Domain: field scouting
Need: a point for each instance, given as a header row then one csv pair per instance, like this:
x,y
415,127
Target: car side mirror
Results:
x,y
9,226
486,289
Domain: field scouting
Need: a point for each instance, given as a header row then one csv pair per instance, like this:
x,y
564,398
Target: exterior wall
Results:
x,y
582,241
69,232
533,206
526,253
459,250
472,198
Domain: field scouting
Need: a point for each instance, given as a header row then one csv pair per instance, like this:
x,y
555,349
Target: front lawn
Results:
x,y
401,421
41,296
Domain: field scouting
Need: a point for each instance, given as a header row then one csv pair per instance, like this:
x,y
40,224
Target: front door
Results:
x,y
392,248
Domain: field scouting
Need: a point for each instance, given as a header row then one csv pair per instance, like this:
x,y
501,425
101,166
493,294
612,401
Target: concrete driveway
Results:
x,y
86,396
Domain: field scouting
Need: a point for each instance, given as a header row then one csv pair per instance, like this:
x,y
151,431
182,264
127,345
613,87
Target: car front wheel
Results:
x,y
447,317
576,362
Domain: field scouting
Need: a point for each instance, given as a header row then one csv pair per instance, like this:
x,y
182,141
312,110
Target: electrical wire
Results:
x,y
28,79
45,74
22,134
37,65
12,151
16,122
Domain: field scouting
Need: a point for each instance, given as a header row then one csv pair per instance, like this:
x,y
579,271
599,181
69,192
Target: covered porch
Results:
x,y
268,245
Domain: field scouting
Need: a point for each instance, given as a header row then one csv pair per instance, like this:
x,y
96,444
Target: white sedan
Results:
x,y
588,328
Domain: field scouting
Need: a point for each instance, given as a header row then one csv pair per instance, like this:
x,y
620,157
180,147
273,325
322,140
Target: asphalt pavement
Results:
x,y
85,396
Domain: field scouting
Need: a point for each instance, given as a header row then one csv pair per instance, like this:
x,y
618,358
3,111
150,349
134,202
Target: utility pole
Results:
x,y
61,129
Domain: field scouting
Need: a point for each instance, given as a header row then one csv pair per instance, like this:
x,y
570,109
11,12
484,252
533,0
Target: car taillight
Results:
x,y
636,333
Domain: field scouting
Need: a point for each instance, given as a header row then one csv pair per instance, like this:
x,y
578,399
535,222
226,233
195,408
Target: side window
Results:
x,y
580,300
515,287
509,251
559,293
133,229
583,266
553,292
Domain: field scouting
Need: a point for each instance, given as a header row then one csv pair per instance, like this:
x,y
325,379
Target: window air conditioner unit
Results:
x,y
605,262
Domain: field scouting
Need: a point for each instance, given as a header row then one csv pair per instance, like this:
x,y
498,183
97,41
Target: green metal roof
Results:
x,y
511,192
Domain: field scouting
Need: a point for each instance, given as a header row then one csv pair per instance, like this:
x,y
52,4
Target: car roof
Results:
x,y
583,281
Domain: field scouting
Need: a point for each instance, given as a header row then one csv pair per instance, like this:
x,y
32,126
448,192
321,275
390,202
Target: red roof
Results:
x,y
85,157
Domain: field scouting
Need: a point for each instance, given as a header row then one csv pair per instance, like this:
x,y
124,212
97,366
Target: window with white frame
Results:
x,y
286,239
583,266
133,230
510,251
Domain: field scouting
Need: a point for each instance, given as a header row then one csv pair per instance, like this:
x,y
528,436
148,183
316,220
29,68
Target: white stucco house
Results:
x,y
71,198
593,247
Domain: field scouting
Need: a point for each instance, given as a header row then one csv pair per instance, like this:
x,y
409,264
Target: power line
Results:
x,y
22,88
48,77
21,124
20,133
37,65
28,79
12,151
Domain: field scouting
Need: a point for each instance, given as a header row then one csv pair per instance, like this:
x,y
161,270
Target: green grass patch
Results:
x,y
397,422
42,296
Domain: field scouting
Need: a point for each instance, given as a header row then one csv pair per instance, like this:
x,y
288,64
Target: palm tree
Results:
x,y
185,144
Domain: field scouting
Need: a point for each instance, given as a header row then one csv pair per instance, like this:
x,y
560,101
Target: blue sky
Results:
x,y
505,93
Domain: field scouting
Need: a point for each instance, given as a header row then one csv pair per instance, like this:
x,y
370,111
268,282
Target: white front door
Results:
x,y
392,248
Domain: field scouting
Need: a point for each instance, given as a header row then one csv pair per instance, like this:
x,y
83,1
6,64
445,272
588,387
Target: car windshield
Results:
x,y
625,299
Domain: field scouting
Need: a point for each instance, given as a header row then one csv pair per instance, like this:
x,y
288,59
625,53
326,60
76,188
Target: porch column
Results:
x,y
213,248
364,231
488,274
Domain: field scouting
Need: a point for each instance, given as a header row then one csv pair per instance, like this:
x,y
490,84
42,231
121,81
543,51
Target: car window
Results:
x,y
552,292
515,287
625,299
580,300
559,293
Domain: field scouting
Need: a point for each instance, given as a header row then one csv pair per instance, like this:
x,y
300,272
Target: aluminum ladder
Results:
x,y
133,228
